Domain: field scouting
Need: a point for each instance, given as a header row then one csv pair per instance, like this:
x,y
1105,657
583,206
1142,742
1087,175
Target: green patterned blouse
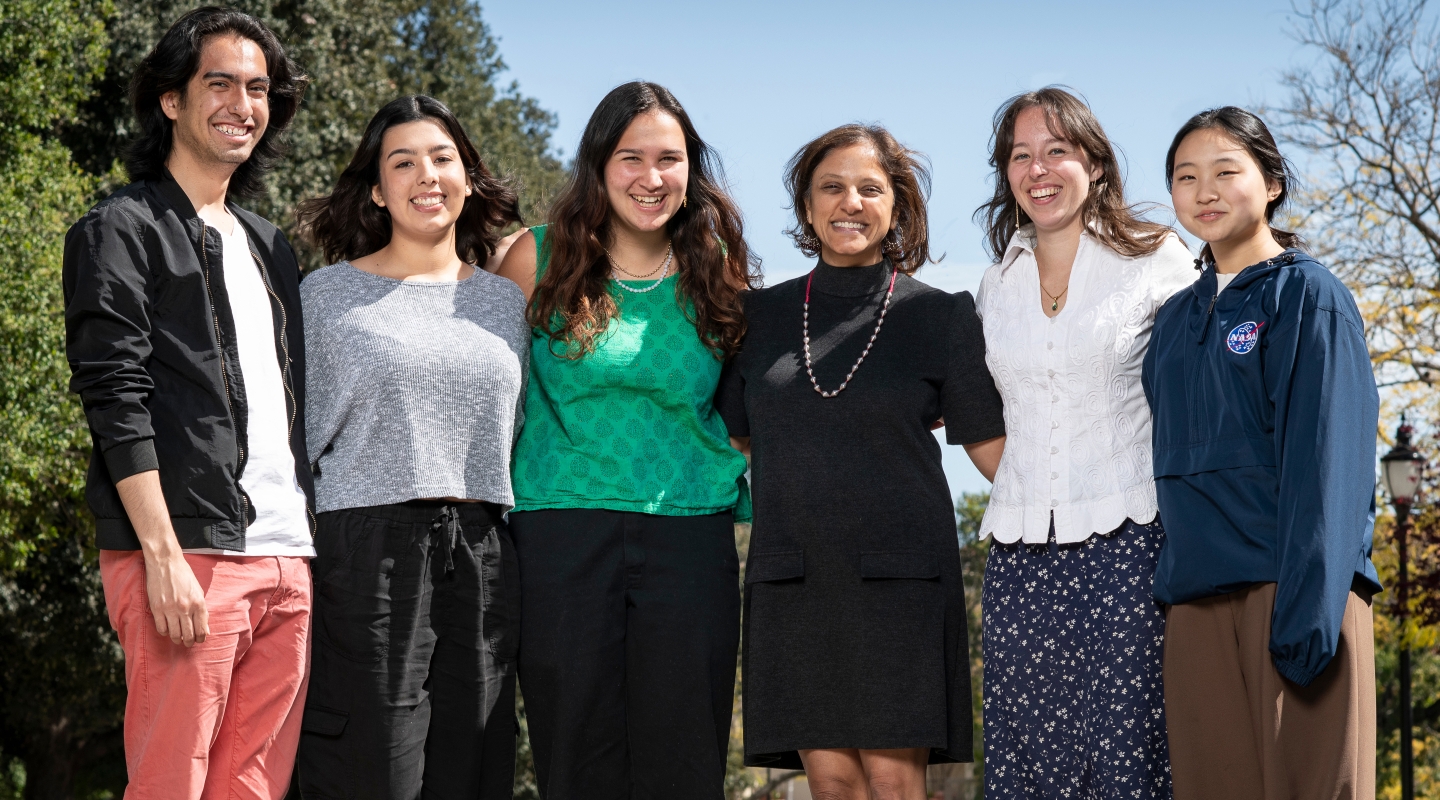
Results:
x,y
630,426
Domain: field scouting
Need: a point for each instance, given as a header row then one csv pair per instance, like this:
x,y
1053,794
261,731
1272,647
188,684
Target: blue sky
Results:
x,y
762,78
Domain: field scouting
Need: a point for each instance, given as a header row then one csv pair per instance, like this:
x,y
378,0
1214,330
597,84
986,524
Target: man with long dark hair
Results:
x,y
184,336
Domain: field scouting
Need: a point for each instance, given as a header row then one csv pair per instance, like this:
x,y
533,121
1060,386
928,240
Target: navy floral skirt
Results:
x,y
1074,705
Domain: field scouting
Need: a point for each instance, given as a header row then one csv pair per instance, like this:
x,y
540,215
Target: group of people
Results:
x,y
338,518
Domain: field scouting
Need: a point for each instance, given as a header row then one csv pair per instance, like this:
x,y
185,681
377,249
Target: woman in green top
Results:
x,y
626,486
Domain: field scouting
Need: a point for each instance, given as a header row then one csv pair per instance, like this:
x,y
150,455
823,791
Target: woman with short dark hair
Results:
x,y
417,368
856,657
627,488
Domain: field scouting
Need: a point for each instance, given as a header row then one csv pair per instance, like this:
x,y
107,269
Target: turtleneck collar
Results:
x,y
851,281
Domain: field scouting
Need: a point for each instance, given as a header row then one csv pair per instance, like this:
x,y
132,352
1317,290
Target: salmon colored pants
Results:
x,y
220,719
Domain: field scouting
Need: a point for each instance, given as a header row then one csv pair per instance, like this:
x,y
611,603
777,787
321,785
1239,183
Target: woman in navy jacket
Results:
x,y
1265,413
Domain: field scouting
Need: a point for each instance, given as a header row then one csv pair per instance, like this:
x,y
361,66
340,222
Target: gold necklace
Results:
x,y
669,250
1054,298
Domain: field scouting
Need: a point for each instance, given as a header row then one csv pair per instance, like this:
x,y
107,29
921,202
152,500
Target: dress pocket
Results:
x,y
902,615
781,565
899,565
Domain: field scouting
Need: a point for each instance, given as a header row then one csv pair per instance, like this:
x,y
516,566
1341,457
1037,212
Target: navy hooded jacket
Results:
x,y
1265,412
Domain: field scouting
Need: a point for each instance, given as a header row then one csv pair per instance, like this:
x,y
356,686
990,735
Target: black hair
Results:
x,y
170,65
347,224
1248,131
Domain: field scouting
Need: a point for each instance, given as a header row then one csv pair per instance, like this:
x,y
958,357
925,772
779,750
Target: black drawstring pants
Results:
x,y
627,658
412,683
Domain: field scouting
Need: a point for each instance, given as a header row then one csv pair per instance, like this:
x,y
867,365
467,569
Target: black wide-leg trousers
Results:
x,y
627,651
412,683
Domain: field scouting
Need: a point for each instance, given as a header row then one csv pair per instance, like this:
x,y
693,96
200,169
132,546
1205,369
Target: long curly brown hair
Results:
x,y
572,300
1117,225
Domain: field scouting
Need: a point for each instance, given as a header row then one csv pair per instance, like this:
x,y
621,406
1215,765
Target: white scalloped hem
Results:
x,y
1074,522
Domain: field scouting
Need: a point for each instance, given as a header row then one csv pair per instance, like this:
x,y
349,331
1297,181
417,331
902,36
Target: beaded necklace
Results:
x,y
809,369
663,269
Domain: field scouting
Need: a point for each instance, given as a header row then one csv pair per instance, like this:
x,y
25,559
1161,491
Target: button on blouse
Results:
x,y
1076,419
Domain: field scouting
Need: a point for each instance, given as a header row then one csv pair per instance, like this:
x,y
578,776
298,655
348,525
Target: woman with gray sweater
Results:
x,y
417,366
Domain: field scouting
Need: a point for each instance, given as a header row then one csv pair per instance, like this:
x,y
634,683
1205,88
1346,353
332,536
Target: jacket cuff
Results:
x,y
1293,673
131,458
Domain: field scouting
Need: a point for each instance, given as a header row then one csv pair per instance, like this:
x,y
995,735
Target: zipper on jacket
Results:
x,y
1209,312
284,345
289,390
225,379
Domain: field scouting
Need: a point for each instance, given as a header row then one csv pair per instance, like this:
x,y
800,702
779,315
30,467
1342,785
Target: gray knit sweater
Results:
x,y
413,390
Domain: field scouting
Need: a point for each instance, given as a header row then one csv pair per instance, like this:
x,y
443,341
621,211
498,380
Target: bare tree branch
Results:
x,y
1368,112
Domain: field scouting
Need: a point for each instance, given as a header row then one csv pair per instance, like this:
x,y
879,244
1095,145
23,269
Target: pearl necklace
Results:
x,y
663,269
809,368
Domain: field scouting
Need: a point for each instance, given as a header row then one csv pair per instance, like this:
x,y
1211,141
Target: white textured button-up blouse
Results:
x,y
1077,424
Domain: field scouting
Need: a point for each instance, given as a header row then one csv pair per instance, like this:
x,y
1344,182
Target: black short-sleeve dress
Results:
x,y
855,629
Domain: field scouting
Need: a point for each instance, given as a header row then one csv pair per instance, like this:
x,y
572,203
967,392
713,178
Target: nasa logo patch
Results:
x,y
1243,338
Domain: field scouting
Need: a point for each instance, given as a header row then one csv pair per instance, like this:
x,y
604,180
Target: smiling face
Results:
x,y
850,206
1218,190
422,180
1049,176
225,107
647,175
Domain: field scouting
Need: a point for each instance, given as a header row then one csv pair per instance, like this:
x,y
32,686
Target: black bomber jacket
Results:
x,y
152,351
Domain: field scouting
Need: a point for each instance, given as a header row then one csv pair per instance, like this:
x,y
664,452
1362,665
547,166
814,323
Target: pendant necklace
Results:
x,y
1054,298
809,368
663,269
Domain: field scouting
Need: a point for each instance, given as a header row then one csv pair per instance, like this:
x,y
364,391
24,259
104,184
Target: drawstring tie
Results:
x,y
449,523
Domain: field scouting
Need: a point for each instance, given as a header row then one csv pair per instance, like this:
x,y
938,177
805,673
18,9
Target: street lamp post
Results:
x,y
1400,470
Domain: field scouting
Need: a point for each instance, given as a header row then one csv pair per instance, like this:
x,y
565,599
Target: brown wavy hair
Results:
x,y
348,225
572,300
909,174
1117,225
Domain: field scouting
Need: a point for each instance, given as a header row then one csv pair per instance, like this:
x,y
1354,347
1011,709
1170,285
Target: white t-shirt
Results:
x,y
1222,280
281,526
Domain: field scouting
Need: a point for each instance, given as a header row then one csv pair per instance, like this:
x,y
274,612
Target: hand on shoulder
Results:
x,y
518,261
492,264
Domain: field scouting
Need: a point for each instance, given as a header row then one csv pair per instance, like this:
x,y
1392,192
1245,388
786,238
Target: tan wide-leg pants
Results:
x,y
1240,731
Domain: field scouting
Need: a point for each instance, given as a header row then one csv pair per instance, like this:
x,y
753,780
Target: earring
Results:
x,y
1017,215
807,242
467,191
892,246
685,201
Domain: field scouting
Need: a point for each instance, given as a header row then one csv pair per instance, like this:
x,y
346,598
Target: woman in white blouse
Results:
x,y
1072,634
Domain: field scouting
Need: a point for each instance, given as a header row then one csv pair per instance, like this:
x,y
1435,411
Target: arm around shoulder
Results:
x,y
1171,268
519,263
502,247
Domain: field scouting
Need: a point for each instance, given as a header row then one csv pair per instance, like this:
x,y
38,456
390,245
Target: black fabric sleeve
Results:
x,y
107,337
969,402
730,399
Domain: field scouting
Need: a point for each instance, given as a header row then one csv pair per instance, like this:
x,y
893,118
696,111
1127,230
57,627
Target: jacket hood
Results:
x,y
1204,288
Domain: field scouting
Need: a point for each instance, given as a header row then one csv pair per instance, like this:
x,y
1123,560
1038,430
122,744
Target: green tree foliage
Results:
x,y
61,695
969,512
360,54
49,51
